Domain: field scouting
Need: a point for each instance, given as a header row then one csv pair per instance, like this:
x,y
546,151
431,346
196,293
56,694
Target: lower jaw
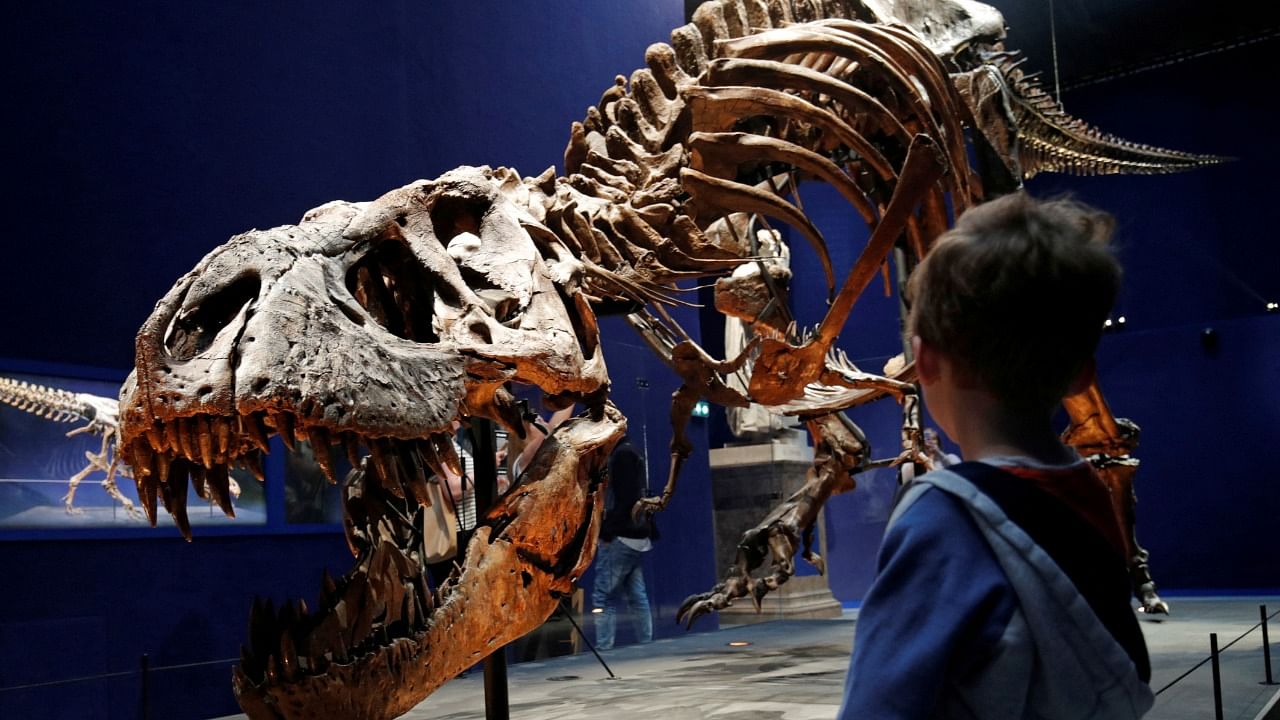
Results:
x,y
526,554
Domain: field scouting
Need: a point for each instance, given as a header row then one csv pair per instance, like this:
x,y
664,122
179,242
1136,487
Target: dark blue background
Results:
x,y
138,139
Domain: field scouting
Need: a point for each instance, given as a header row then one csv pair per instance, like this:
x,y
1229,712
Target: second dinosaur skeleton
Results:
x,y
374,326
99,415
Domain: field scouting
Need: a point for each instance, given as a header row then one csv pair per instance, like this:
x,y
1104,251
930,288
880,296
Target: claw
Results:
x,y
643,509
1151,602
694,606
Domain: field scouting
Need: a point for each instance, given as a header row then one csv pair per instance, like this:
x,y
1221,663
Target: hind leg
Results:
x,y
839,449
1107,441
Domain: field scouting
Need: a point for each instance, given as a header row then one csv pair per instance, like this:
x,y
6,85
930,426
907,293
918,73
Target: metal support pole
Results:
x,y
485,477
496,702
1266,645
145,702
568,614
485,474
1217,676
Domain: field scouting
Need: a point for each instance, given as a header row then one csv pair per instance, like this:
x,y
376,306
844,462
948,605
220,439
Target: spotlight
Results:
x,y
1107,323
1120,320
596,611
739,643
1272,307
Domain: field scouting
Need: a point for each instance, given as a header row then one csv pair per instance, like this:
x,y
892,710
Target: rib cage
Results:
x,y
727,118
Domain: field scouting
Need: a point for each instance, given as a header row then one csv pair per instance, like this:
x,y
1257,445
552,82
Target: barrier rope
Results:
x,y
1200,664
123,673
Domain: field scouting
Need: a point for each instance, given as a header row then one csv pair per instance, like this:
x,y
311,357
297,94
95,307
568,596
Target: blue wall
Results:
x,y
140,138
1199,252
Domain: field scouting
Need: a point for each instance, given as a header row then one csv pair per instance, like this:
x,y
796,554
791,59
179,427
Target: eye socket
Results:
x,y
391,285
195,330
453,214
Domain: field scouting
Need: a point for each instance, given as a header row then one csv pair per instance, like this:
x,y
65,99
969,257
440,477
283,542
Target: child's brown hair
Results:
x,y
1015,295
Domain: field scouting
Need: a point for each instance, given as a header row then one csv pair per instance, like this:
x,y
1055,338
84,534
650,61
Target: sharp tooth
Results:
x,y
444,448
324,638
302,609
364,621
288,657
410,606
247,663
255,427
320,448
220,489
351,444
222,434
284,426
141,460
328,587
204,438
355,537
252,461
383,454
155,435
147,487
262,628
510,410
184,444
162,460
200,481
174,494
273,673
359,608
340,612
413,474
173,436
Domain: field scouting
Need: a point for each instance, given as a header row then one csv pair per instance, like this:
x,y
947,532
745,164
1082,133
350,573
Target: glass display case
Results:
x,y
53,473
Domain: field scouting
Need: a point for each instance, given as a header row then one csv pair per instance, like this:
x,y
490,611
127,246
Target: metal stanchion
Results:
x,y
1266,645
1217,676
145,702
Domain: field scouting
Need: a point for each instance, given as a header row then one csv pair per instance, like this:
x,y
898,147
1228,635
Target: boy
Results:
x,y
1002,589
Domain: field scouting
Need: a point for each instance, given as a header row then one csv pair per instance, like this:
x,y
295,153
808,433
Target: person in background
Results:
x,y
1002,588
624,539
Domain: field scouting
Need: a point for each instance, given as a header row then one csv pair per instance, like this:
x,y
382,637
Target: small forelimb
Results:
x,y
701,375
683,401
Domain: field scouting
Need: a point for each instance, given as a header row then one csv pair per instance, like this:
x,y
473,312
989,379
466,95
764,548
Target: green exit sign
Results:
x,y
702,409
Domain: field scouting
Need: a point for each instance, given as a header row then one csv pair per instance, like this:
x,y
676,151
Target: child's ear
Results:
x,y
928,362
1084,378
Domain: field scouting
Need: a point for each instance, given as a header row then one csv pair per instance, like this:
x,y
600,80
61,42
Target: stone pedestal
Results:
x,y
747,481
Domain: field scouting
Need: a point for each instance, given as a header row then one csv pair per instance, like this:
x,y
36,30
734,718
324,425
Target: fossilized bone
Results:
x,y
375,325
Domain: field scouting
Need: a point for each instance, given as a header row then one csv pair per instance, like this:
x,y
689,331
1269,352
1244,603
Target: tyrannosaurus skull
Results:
x,y
377,326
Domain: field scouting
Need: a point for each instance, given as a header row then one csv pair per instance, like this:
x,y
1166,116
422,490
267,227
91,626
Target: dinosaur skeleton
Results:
x,y
374,326
99,415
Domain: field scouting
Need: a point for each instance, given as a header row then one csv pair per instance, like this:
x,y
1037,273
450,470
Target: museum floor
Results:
x,y
794,669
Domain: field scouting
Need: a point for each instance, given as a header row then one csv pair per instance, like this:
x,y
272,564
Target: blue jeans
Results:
x,y
619,569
